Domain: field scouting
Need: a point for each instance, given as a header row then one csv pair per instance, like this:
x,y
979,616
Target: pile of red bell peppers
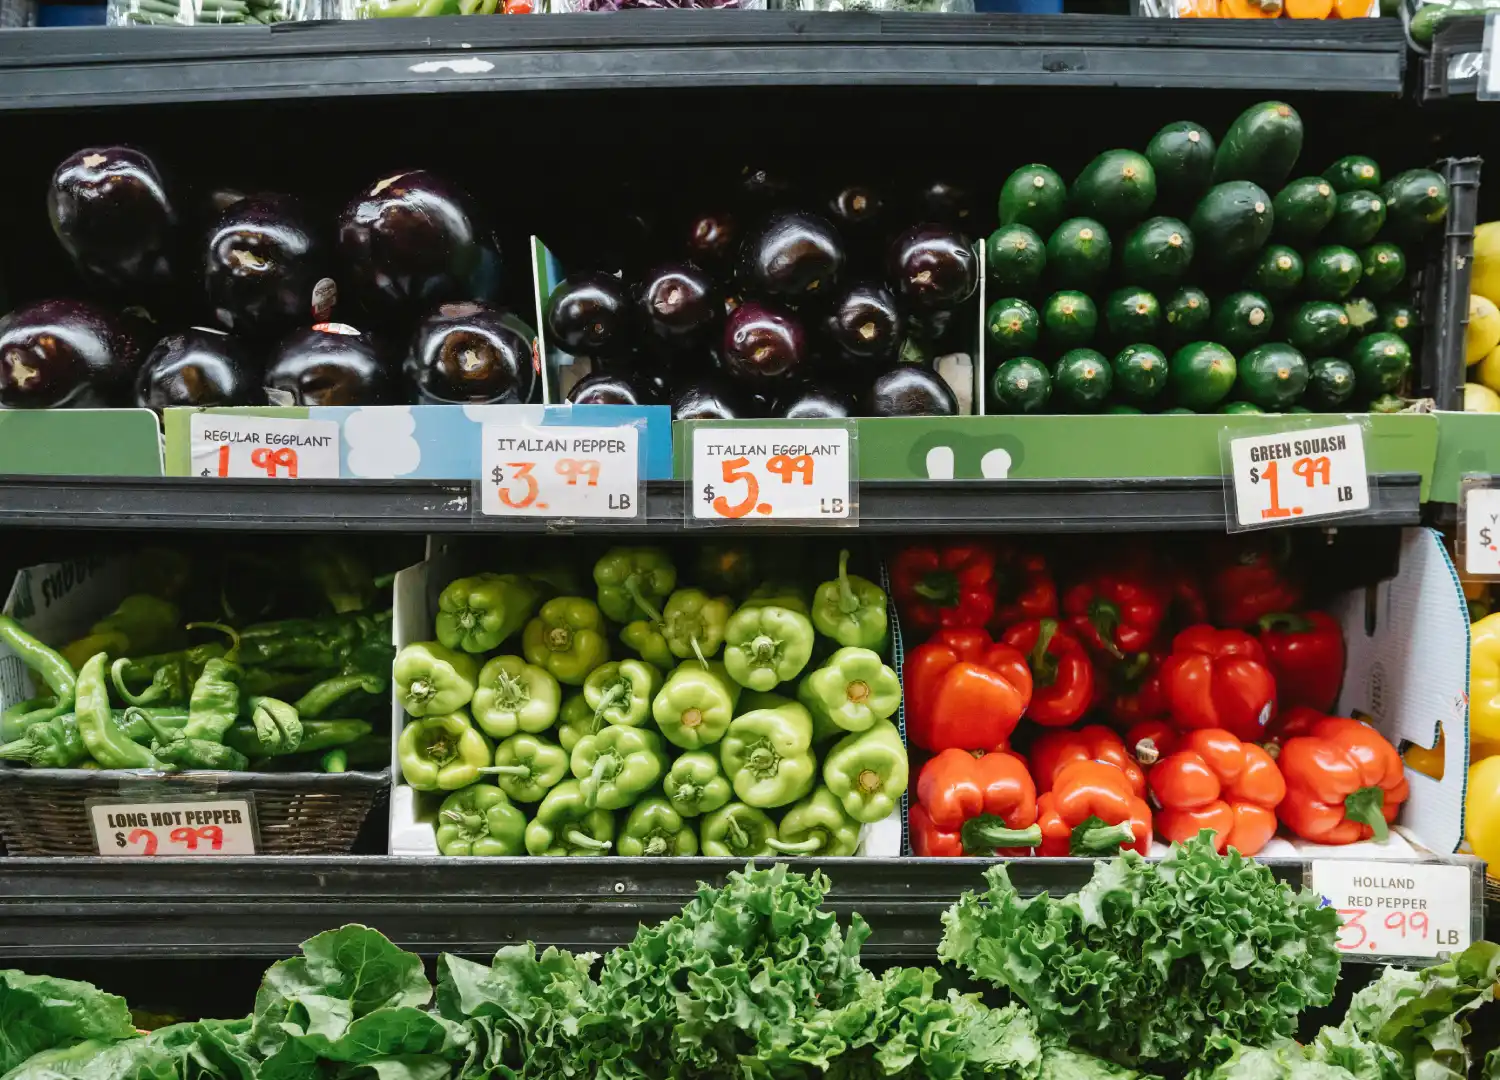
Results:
x,y
1076,707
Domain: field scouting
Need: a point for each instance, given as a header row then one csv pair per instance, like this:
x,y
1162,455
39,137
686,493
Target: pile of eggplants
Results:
x,y
251,282
769,307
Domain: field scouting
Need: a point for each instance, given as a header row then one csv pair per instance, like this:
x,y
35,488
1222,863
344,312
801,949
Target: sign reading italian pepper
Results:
x,y
560,472
772,474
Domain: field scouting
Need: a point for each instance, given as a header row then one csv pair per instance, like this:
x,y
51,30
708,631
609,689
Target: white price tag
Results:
x,y
1295,476
179,827
772,474
1397,908
263,447
560,472
1481,531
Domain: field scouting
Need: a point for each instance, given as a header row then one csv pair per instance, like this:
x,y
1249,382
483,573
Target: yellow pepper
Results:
x,y
1425,761
1482,812
1484,680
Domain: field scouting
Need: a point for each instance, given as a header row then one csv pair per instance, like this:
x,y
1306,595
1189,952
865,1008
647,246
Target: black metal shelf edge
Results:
x,y
1015,506
1438,78
89,67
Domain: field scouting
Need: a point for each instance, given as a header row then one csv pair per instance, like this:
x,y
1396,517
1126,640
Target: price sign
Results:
x,y
560,472
178,827
772,474
1297,476
263,447
1479,528
1397,908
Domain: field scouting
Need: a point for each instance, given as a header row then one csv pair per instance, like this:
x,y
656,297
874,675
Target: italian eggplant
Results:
x,y
933,267
679,304
590,315
611,388
709,398
761,342
815,401
908,390
793,256
864,323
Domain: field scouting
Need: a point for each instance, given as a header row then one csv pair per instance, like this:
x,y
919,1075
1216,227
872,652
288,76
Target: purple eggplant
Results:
x,y
65,353
938,200
679,304
113,216
908,390
856,208
262,266
764,187
933,267
709,398
200,367
611,388
466,353
407,243
864,323
329,364
711,239
815,401
761,342
794,257
590,315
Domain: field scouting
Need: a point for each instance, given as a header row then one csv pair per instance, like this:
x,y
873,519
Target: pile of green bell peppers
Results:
x,y
655,715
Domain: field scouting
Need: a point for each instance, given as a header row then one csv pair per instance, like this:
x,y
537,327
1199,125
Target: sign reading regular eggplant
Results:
x,y
263,447
804,473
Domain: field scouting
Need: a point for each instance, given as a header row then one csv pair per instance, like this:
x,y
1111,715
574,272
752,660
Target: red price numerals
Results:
x,y
269,461
787,467
1398,925
211,836
1314,471
574,471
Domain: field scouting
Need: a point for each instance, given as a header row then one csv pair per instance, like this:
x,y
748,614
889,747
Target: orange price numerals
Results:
x,y
785,466
267,460
1313,470
572,470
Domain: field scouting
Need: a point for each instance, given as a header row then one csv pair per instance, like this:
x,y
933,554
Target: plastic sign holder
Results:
x,y
1477,543
808,473
263,447
131,827
1407,909
1295,476
568,473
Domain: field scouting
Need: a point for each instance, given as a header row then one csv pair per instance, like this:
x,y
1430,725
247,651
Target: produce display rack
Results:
x,y
1451,69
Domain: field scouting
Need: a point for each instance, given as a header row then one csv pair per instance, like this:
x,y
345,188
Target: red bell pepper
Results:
x,y
1052,751
1061,672
951,585
1116,613
1214,781
1219,679
1024,590
968,805
968,698
1344,782
1306,654
1298,720
1090,811
1252,581
1151,740
1187,606
1136,693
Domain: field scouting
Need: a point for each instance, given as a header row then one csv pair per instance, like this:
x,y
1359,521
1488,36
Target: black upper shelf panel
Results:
x,y
63,68
1451,70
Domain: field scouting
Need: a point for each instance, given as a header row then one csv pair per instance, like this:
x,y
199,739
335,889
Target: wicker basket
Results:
x,y
42,811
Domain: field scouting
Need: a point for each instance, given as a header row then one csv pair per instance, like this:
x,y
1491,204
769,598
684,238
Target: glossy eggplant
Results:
x,y
949,203
65,353
793,256
764,187
908,390
466,353
590,315
200,367
262,263
819,400
864,322
933,267
329,364
612,388
111,212
712,238
709,398
761,342
856,208
679,304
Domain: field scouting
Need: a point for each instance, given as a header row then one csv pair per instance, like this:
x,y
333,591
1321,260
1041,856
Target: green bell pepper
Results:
x,y
783,594
480,820
737,831
528,766
767,755
695,622
854,688
477,613
513,695
868,771
617,766
816,826
620,692
644,638
850,609
656,830
432,679
442,753
767,646
575,721
695,784
632,580
565,824
726,568
567,638
696,704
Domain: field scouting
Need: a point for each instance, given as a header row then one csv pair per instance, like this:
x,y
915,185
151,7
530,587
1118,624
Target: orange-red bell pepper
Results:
x,y
948,585
1052,751
1219,679
1214,781
1117,613
1024,590
968,805
1306,654
1062,674
1151,740
1252,581
965,693
1091,811
1344,782
1136,692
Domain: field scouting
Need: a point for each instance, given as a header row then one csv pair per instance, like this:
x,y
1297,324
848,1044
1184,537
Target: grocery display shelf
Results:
x,y
888,506
689,49
1451,69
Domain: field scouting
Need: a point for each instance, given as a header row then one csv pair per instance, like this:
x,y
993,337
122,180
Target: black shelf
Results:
x,y
71,68
886,506
1451,69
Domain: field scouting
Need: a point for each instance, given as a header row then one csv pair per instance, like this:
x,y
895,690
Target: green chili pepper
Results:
x,y
851,609
141,624
620,692
567,638
214,704
512,696
767,646
344,578
695,784
645,638
737,831
336,760
727,568
308,643
566,825
767,755
631,580
330,692
199,754
476,614
277,725
656,830
442,753
817,825
528,766
696,704
854,688
170,675
480,820
316,735
432,679
24,715
617,766
575,721
868,771
57,744
45,662
106,743
695,622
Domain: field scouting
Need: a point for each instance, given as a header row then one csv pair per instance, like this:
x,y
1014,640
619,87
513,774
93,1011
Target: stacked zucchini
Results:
x,y
1202,277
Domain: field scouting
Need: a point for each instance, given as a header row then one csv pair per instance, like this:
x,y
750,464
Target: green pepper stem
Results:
x,y
1286,622
848,602
764,649
1043,664
983,834
148,696
578,838
618,692
1367,806
656,846
800,847
693,641
1093,837
640,600
739,839
939,586
1106,619
504,770
20,750
161,734
234,635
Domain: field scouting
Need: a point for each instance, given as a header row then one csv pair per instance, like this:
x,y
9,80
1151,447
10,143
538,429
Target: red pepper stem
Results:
x,y
1106,619
1286,622
801,847
983,834
1093,837
939,586
1367,806
848,602
640,600
1043,664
